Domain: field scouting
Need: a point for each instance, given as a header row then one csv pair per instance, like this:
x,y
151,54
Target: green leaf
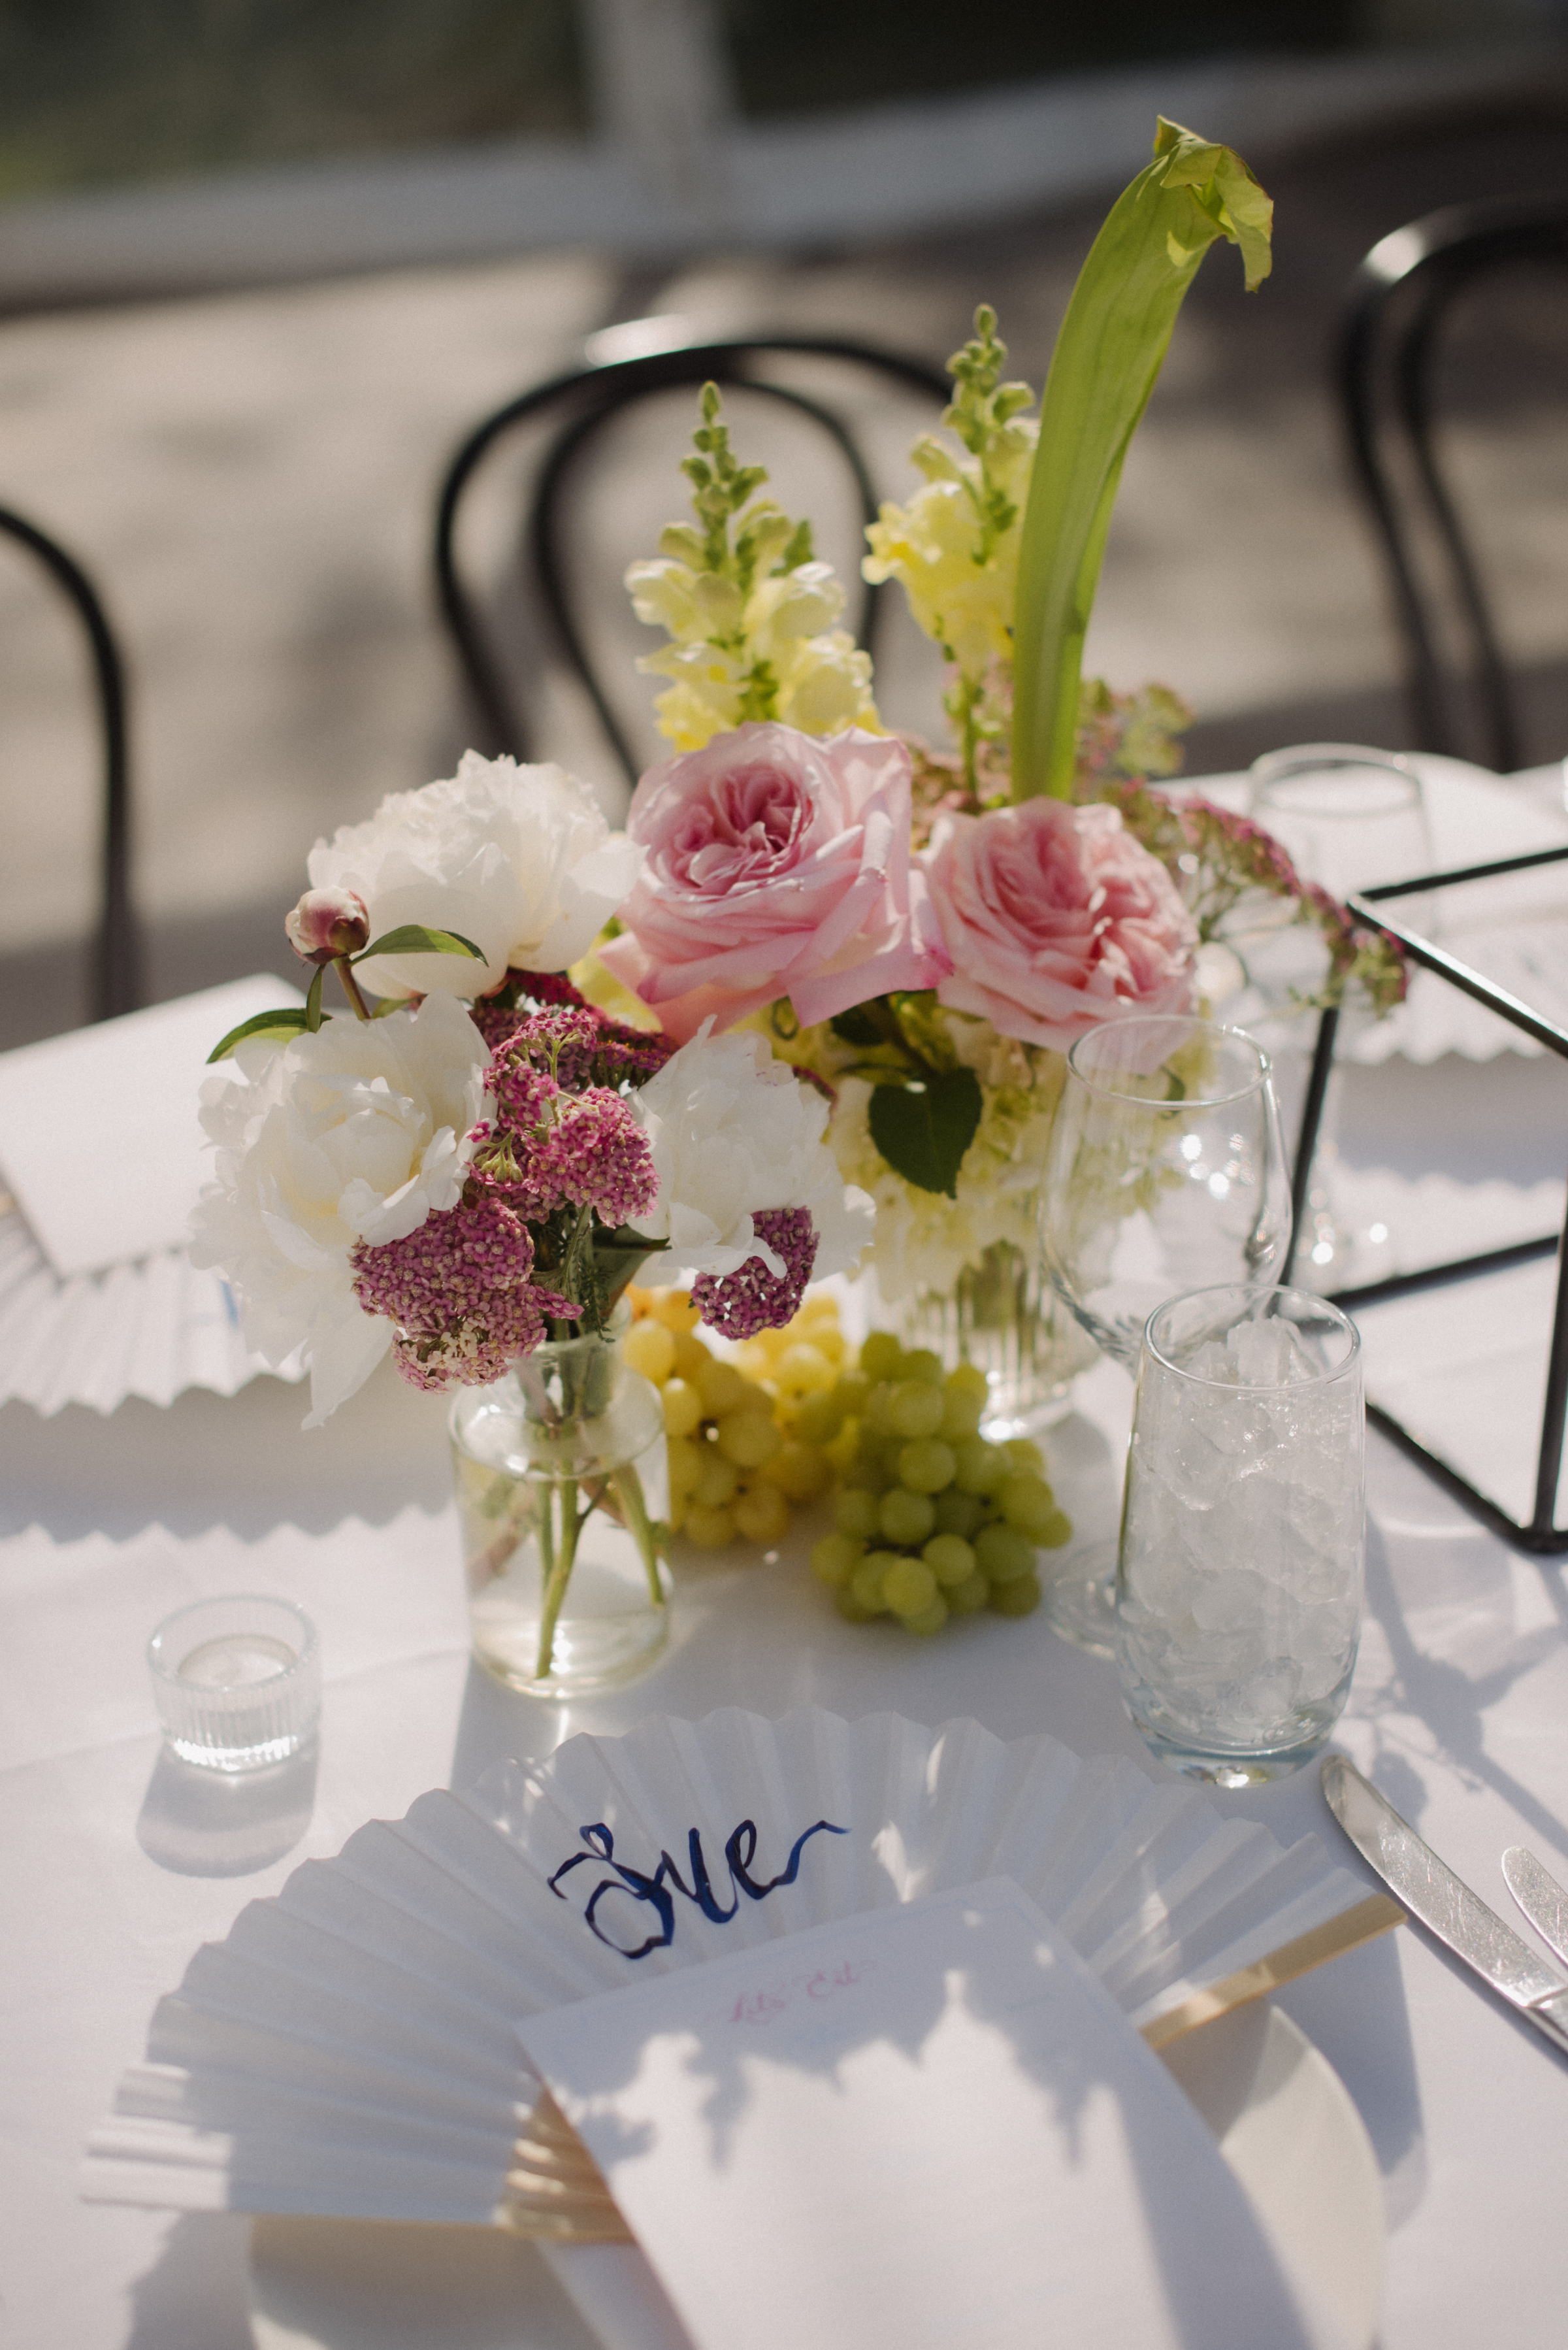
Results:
x,y
856,1027
1107,359
412,937
314,1015
290,1021
922,1130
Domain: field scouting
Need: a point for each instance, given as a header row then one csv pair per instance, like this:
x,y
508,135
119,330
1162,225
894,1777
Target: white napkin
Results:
x,y
922,2126
100,1144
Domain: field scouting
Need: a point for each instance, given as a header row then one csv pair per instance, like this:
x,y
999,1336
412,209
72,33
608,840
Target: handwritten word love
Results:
x,y
659,1890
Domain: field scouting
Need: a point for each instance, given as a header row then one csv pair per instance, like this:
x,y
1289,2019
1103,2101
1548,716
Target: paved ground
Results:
x,y
251,478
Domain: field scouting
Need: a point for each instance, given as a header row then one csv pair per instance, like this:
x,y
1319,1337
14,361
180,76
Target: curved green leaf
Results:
x,y
413,938
923,1129
314,1015
290,1022
1108,355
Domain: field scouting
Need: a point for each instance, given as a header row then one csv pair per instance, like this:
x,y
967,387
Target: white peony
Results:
x,y
734,1131
519,860
354,1134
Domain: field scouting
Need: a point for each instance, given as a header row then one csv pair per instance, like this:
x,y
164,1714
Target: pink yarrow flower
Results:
x,y
458,1290
1055,919
741,1303
777,864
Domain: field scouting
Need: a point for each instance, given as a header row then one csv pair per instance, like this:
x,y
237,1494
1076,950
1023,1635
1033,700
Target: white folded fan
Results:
x,y
101,1159
349,2050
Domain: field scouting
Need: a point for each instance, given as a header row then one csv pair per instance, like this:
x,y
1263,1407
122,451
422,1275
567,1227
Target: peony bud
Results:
x,y
328,923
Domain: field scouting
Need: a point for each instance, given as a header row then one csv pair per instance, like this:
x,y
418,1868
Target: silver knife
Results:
x,y
1431,1891
1539,1897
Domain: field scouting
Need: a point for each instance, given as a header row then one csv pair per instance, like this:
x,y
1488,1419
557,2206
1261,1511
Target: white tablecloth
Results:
x,y
115,1864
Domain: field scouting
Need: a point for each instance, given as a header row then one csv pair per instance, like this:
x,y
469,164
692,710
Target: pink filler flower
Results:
x,y
1055,919
777,865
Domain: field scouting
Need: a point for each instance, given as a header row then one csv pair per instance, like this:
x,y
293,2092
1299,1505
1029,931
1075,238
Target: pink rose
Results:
x,y
1057,918
777,865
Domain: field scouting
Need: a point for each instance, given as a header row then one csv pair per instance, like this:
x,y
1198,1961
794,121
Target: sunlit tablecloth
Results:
x,y
113,1862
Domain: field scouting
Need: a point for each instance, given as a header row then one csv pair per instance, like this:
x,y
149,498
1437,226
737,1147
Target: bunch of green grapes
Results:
x,y
736,1464
932,1520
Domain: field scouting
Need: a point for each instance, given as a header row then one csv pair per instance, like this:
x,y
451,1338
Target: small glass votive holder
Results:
x,y
236,1681
1238,1583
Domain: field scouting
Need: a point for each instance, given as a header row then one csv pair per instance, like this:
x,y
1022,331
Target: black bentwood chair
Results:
x,y
116,978
628,365
1397,306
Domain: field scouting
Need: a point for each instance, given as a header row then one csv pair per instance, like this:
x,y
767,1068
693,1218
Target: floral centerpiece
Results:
x,y
930,932
468,1176
835,973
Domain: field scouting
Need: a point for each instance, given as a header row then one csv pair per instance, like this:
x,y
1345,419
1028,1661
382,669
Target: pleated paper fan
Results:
x,y
350,2050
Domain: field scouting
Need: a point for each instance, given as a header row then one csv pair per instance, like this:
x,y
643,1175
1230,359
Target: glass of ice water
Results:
x,y
1239,1584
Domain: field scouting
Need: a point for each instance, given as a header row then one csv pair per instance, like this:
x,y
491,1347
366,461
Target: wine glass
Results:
x,y
1349,818
1166,1172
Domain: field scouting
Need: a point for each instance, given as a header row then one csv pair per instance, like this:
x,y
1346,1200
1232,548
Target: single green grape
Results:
x,y
1026,1502
915,1408
878,1456
908,1586
979,1467
1057,1530
920,1363
866,1579
959,1513
930,1619
961,1414
906,1517
949,1558
1025,1454
874,1420
850,1391
835,1557
1003,1553
850,1608
967,1598
1020,1595
881,1356
927,1465
856,1512
968,1378
819,1420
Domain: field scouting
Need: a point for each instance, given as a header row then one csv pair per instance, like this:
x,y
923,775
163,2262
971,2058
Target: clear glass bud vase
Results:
x,y
562,1492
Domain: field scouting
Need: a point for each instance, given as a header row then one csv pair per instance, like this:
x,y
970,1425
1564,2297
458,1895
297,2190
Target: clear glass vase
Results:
x,y
562,1490
1003,1315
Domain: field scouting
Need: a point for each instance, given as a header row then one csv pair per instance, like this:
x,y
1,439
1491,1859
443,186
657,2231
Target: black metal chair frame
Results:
x,y
116,974
593,396
1540,1533
1397,304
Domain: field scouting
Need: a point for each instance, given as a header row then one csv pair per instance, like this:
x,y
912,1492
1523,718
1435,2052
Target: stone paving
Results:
x,y
251,479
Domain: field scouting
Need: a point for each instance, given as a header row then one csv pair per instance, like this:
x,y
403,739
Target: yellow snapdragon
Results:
x,y
749,612
961,577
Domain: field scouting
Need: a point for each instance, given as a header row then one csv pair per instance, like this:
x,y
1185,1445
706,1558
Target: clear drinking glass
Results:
x,y
1349,818
1238,1587
236,1681
1166,1172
